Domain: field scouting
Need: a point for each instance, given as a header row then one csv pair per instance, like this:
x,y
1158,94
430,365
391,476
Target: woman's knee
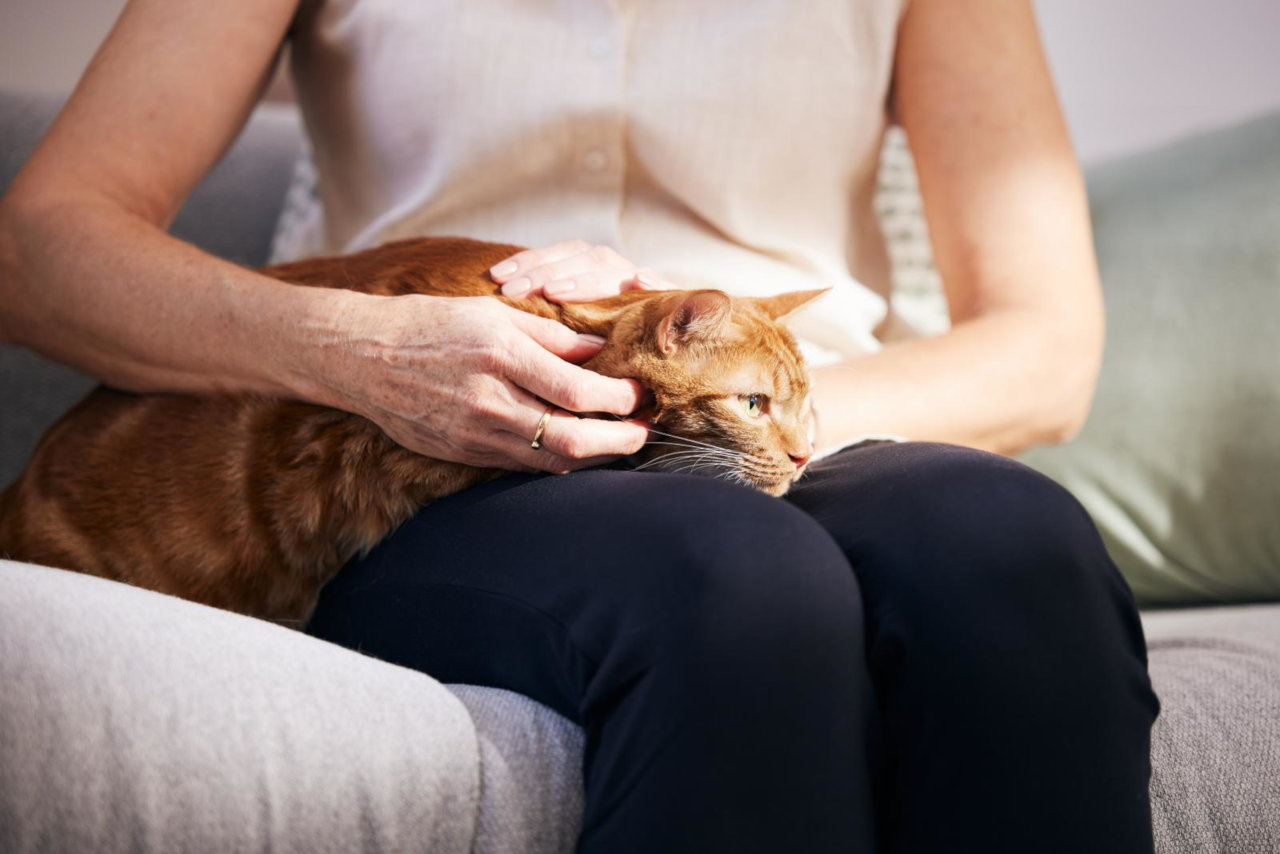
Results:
x,y
735,576
946,537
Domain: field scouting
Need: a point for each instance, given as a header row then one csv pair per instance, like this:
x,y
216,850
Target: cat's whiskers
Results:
x,y
693,459
667,461
683,439
720,452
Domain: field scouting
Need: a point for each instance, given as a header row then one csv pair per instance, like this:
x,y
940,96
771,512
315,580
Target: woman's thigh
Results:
x,y
534,583
708,638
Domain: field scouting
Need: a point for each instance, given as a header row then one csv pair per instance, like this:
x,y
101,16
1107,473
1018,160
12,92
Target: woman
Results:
x,y
927,645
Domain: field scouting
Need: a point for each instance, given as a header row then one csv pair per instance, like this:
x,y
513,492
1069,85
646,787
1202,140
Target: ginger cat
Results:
x,y
252,503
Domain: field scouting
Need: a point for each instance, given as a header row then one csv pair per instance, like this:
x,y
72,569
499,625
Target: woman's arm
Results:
x,y
1007,215
89,276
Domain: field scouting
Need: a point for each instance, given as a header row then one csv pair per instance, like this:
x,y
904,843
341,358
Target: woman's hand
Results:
x,y
468,379
573,271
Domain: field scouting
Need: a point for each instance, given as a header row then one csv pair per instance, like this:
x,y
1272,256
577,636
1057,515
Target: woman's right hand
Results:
x,y
468,379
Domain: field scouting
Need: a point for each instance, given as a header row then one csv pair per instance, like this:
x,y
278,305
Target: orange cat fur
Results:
x,y
252,503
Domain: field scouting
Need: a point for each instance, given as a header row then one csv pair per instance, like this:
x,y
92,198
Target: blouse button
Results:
x,y
595,160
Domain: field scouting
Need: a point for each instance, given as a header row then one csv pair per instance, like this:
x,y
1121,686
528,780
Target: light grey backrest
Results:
x,y
231,214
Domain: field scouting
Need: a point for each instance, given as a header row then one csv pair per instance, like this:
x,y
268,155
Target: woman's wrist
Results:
x,y
323,328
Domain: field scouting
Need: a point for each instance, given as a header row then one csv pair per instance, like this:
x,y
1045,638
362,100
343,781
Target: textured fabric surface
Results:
x,y
132,721
531,773
1179,462
1215,748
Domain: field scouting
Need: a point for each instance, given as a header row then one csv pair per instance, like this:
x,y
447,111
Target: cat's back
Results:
x,y
440,266
116,457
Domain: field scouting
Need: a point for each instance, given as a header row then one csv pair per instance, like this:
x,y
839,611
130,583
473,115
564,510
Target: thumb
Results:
x,y
557,338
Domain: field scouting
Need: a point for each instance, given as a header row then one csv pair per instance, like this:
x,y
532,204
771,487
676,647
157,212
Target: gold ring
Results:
x,y
542,428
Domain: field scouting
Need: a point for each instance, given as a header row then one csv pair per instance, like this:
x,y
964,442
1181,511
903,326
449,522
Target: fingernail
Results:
x,y
517,287
506,268
561,287
594,340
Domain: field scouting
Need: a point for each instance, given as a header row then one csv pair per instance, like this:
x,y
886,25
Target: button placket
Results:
x,y
595,160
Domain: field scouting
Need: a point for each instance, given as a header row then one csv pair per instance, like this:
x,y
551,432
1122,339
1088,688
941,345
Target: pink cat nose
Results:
x,y
799,459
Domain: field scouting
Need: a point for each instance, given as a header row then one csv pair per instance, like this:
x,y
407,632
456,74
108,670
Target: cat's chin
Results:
x,y
778,489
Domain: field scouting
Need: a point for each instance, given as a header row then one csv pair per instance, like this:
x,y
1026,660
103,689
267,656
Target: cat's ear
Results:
x,y
692,317
781,305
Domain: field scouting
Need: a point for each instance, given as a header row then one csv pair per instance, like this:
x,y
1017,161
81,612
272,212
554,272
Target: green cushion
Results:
x,y
1179,462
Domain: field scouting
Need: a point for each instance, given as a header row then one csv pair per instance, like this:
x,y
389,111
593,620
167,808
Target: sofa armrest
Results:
x,y
133,721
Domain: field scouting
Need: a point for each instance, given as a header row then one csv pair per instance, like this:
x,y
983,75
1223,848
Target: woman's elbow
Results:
x,y
1077,348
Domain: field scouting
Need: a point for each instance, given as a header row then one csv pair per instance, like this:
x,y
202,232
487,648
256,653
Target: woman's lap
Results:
x,y
1001,642
676,618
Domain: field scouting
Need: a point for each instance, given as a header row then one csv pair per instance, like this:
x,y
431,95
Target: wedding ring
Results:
x,y
542,428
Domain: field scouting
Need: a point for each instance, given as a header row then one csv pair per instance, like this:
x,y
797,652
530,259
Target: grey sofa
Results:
x,y
133,721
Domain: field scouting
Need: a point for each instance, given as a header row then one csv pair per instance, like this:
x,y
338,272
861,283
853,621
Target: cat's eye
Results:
x,y
754,404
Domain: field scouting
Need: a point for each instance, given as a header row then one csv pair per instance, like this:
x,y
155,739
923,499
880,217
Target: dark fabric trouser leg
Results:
x,y
708,638
1005,649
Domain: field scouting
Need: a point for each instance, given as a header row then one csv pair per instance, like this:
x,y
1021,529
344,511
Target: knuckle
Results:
x,y
471,399
574,446
602,255
491,356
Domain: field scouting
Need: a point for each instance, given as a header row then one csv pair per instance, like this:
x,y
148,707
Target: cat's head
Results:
x,y
730,390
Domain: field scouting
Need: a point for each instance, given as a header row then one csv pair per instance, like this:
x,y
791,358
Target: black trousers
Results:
x,y
922,649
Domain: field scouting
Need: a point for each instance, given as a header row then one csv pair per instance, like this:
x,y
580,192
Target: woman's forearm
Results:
x,y
90,285
1003,382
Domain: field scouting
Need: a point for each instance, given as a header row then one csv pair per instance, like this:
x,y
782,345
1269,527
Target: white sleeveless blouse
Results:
x,y
725,144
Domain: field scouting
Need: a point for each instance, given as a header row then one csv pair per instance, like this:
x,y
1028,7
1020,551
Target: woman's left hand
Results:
x,y
573,271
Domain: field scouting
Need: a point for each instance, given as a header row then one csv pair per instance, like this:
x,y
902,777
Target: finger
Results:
x,y
565,441
573,438
570,387
599,265
556,337
518,449
509,268
587,287
647,279
513,410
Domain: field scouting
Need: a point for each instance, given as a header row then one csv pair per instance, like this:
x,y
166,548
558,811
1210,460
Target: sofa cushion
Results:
x,y
531,773
132,721
1215,749
1179,463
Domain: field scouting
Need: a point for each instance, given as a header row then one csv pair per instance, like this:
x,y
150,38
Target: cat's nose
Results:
x,y
799,459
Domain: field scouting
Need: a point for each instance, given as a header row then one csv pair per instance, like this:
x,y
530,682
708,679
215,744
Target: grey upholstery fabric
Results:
x,y
1216,746
132,721
531,773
